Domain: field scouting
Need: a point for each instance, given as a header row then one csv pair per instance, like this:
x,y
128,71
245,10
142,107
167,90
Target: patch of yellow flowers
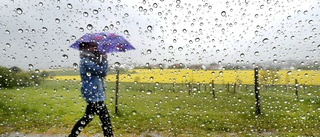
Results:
x,y
277,77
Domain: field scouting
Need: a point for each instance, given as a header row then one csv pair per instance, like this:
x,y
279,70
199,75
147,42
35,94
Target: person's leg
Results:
x,y
84,121
104,116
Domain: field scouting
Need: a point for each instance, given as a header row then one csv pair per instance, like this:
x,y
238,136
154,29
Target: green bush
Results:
x,y
16,77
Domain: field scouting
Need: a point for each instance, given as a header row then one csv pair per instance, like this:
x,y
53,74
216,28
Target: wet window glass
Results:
x,y
159,68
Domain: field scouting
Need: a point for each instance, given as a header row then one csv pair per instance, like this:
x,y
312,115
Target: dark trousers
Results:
x,y
93,108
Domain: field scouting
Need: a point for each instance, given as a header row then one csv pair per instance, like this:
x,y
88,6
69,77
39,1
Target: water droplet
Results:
x,y
134,112
65,56
19,11
95,87
37,71
149,92
212,73
155,5
89,27
57,20
180,48
242,55
7,32
69,5
221,72
44,29
75,65
256,53
184,31
223,13
275,61
85,14
149,51
30,66
126,32
95,11
88,74
117,64
149,27
8,45
265,40
20,30
177,108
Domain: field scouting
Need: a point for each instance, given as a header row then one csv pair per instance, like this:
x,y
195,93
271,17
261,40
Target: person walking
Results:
x,y
93,70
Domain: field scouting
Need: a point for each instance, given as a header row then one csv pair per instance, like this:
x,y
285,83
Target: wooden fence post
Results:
x,y
212,87
256,89
296,88
117,92
228,86
234,87
189,88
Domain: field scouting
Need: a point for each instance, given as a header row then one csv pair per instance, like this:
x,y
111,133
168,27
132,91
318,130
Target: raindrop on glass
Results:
x,y
149,28
44,29
86,14
37,71
242,55
134,112
30,66
7,32
57,20
223,13
155,5
20,30
89,27
95,11
88,74
8,45
19,11
69,5
75,65
265,40
65,56
126,32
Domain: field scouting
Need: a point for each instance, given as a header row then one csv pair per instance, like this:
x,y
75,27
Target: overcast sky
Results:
x,y
38,34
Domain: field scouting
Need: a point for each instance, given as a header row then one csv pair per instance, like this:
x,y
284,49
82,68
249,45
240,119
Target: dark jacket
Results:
x,y
93,73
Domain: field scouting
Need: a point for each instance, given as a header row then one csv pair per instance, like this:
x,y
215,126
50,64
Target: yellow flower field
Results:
x,y
278,77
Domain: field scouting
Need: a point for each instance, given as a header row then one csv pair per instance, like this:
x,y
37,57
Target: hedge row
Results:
x,y
16,77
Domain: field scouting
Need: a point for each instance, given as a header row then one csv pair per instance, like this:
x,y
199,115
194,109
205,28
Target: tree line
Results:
x,y
16,77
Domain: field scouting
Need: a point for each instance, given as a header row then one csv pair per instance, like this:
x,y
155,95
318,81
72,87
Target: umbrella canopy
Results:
x,y
107,42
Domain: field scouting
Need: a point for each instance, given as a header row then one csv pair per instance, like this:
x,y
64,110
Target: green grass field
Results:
x,y
166,109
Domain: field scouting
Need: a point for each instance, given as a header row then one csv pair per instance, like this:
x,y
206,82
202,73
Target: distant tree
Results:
x,y
16,69
16,77
177,66
268,76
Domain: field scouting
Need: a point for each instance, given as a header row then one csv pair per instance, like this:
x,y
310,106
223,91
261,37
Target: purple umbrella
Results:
x,y
107,42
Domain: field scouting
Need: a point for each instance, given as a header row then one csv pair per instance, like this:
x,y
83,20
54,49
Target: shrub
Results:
x,y
16,77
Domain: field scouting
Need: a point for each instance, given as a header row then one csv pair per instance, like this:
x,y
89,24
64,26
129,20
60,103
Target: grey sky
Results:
x,y
163,31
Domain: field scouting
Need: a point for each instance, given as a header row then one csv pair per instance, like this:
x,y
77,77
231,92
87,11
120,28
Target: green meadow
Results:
x,y
165,109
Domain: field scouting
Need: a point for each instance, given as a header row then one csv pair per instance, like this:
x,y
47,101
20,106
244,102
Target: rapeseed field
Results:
x,y
276,77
